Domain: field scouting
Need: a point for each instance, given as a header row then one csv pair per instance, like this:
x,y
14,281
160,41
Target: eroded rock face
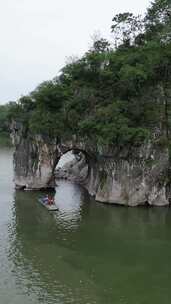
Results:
x,y
130,177
141,177
34,160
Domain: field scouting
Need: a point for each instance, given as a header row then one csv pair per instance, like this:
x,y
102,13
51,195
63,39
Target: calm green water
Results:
x,y
85,253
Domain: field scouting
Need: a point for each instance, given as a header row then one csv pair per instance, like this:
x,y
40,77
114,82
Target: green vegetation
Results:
x,y
4,125
5,140
111,96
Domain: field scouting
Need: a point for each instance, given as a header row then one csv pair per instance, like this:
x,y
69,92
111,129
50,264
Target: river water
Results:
x,y
85,253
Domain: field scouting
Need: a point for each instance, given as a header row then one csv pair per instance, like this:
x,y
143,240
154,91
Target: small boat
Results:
x,y
52,207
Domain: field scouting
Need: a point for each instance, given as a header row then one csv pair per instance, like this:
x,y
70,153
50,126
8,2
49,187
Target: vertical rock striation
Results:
x,y
35,158
130,176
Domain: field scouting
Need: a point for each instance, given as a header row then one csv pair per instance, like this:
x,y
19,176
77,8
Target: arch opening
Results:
x,y
73,166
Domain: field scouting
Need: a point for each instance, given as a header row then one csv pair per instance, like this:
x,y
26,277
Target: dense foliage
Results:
x,y
116,95
5,111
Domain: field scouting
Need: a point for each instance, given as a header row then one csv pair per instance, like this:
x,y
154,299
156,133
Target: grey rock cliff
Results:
x,y
35,158
132,176
137,179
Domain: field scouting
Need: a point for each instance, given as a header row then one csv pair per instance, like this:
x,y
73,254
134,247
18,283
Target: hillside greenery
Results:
x,y
5,111
113,95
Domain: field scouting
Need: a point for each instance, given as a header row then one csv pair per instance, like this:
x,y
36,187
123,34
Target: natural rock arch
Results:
x,y
36,157
132,176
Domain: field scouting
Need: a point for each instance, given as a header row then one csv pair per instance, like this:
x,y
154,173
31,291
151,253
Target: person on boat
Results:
x,y
50,200
45,199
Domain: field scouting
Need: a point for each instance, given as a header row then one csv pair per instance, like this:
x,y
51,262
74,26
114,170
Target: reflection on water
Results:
x,y
85,253
43,249
70,205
